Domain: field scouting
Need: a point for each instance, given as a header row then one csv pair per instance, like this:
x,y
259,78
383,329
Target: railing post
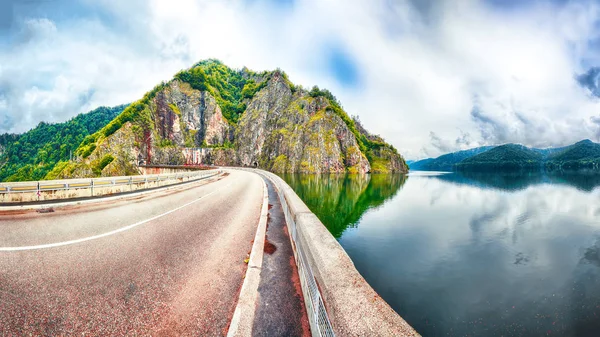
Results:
x,y
130,185
38,191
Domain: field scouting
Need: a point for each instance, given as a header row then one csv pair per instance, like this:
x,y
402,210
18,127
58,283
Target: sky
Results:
x,y
430,77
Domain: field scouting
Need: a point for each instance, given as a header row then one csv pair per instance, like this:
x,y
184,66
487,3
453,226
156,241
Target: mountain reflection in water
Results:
x,y
472,254
339,200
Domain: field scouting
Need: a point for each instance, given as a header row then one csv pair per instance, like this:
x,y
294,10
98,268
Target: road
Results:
x,y
167,263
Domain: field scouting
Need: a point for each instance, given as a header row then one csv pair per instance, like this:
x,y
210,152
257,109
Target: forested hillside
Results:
x,y
33,154
504,157
446,162
583,155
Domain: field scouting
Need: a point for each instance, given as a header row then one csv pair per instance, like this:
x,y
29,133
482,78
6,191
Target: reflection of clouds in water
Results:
x,y
487,254
489,214
521,258
592,254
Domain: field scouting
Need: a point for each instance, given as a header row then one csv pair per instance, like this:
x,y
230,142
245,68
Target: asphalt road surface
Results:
x,y
167,263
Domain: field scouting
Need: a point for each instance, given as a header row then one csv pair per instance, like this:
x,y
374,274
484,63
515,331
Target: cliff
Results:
x,y
214,115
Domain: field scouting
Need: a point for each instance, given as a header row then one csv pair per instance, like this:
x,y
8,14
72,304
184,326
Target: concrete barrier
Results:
x,y
35,191
352,306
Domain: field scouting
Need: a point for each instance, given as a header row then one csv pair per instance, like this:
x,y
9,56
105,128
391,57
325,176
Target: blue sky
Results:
x,y
429,76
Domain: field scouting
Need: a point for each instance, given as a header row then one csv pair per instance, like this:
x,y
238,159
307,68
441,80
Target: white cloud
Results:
x,y
421,70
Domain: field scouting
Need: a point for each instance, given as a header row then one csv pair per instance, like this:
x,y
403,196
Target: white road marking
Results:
x,y
119,230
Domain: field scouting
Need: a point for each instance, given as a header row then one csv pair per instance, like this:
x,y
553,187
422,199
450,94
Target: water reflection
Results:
x,y
513,181
339,201
472,255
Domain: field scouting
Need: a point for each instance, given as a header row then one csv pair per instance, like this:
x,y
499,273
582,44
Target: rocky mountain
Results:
x,y
214,115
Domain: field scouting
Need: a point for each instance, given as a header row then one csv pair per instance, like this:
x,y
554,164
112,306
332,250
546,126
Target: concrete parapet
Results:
x,y
353,307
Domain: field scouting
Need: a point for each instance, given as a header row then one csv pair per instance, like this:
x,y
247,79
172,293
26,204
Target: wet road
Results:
x,y
169,263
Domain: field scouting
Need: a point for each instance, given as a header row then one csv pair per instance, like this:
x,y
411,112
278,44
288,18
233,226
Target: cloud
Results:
x,y
429,76
596,121
589,80
439,143
32,29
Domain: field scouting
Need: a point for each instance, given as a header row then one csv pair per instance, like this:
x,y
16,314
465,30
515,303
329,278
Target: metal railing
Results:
x,y
320,324
73,184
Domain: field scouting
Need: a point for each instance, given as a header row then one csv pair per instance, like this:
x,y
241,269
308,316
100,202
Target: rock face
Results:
x,y
183,118
278,127
293,132
188,117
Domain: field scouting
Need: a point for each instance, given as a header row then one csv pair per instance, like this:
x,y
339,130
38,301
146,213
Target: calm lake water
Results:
x,y
477,255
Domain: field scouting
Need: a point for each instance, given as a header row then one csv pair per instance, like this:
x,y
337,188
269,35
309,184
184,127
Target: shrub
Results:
x,y
86,151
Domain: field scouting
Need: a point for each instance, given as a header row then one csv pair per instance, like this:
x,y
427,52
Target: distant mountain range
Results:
x,y
447,161
583,155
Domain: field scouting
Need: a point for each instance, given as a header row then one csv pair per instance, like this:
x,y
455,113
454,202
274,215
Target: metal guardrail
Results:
x,y
320,324
73,184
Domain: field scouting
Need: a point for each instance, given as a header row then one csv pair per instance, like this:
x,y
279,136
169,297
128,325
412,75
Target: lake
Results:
x,y
471,255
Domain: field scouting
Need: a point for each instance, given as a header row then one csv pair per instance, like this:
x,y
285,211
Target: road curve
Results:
x,y
168,263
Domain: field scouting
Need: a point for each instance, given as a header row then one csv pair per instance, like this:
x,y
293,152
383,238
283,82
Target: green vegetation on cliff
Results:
x,y
377,151
238,117
31,155
228,86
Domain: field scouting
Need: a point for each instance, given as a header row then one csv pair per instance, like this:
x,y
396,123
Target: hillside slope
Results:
x,y
504,157
31,155
581,155
212,114
446,162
